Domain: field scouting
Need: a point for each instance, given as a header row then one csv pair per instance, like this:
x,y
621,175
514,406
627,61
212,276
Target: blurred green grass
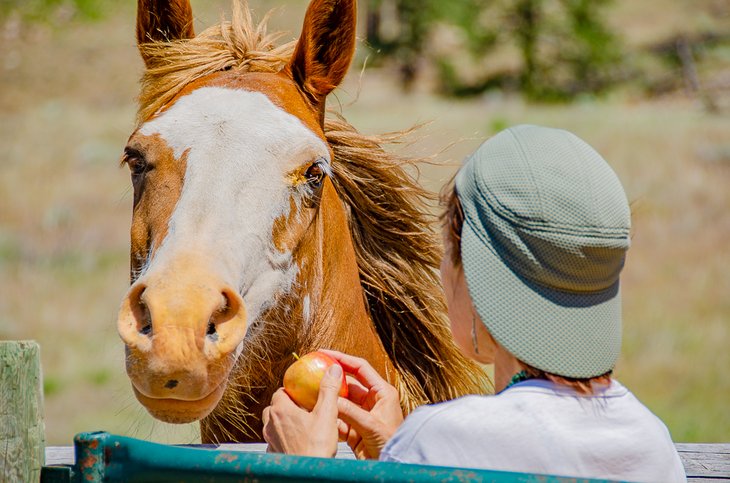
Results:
x,y
67,97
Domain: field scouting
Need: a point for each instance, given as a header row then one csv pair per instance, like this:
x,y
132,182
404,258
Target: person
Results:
x,y
536,230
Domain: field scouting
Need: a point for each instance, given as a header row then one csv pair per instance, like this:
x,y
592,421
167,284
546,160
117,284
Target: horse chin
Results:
x,y
178,411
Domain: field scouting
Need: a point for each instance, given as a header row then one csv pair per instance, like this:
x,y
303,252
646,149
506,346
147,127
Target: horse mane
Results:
x,y
398,255
398,252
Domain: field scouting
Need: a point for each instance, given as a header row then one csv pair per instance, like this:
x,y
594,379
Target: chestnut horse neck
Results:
x,y
371,286
326,309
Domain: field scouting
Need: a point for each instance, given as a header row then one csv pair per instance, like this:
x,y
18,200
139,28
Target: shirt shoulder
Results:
x,y
538,427
440,433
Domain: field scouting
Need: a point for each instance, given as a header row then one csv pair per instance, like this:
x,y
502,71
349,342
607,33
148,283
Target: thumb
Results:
x,y
329,388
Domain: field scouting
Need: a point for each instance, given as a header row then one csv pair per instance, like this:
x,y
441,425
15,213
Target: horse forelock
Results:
x,y
239,44
388,212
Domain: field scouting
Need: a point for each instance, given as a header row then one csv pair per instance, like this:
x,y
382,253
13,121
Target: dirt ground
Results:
x,y
67,100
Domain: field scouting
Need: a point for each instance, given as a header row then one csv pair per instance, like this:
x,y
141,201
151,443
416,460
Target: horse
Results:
x,y
263,228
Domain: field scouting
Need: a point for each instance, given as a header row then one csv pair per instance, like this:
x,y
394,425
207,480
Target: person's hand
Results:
x,y
372,410
292,430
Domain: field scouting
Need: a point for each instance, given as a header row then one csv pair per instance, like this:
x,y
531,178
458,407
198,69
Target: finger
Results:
x,y
265,415
359,419
356,392
281,399
358,367
353,440
329,389
361,451
343,429
272,447
279,396
270,438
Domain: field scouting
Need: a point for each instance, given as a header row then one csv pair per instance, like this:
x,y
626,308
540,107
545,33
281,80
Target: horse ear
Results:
x,y
163,20
325,48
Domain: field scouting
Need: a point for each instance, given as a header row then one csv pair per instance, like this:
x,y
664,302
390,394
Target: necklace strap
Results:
x,y
519,377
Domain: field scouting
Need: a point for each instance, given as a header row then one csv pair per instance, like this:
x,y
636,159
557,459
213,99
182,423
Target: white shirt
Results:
x,y
537,426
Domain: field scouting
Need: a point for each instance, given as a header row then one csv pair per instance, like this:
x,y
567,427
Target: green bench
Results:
x,y
107,457
110,458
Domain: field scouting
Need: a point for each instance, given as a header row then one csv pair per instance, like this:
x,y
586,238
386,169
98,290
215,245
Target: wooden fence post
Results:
x,y
22,431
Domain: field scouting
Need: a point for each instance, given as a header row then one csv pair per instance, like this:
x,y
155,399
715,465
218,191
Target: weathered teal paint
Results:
x,y
105,457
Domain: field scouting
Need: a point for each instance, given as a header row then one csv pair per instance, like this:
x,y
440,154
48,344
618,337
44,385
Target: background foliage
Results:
x,y
565,46
53,11
560,49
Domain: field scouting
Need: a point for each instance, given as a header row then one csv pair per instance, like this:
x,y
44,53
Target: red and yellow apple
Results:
x,y
302,379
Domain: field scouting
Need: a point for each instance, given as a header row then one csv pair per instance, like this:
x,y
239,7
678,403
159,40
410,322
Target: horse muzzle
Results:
x,y
178,411
181,343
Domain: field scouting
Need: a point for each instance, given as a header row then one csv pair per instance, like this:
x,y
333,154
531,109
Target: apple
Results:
x,y
301,379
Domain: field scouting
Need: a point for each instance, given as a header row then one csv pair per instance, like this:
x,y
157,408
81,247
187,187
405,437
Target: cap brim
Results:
x,y
570,334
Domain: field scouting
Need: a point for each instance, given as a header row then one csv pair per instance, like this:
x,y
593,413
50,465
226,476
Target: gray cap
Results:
x,y
545,235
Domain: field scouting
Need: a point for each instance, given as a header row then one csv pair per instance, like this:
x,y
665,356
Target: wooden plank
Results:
x,y
22,432
704,464
60,455
717,448
343,451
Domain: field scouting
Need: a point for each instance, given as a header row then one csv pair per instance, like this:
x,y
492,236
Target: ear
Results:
x,y
163,20
325,48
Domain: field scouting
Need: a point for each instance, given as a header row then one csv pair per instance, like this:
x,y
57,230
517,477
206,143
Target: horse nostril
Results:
x,y
211,332
141,311
171,384
144,326
224,312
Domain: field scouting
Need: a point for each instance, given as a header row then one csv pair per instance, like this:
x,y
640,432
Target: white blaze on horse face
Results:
x,y
240,150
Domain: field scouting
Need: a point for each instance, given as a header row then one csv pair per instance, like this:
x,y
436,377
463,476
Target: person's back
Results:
x,y
538,426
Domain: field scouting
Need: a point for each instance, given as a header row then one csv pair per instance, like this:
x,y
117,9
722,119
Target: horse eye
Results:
x,y
315,174
137,163
138,167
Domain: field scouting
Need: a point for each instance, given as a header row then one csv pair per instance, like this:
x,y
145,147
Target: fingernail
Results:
x,y
335,370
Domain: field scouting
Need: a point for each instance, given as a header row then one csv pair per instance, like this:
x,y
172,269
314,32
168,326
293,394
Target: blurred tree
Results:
x,y
415,17
526,28
373,18
565,46
592,51
398,29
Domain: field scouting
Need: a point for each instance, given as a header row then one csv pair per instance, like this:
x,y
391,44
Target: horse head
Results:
x,y
228,178
261,228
